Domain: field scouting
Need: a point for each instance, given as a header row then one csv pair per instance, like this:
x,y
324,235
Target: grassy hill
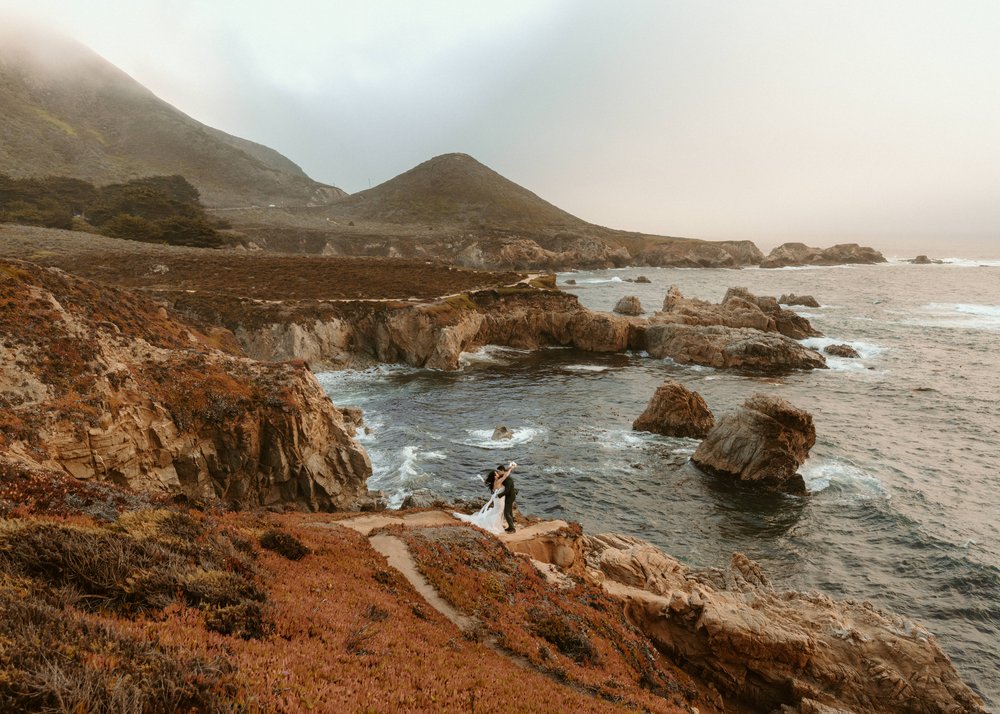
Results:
x,y
67,111
452,189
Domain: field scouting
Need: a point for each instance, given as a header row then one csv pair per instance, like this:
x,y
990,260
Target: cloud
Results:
x,y
819,121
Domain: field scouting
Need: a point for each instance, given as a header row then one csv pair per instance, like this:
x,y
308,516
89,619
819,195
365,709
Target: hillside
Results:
x,y
452,189
456,209
69,112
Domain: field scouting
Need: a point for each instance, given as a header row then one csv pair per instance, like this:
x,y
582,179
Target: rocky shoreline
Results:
x,y
108,394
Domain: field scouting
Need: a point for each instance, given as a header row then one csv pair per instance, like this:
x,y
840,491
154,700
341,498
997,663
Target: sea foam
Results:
x,y
821,474
483,438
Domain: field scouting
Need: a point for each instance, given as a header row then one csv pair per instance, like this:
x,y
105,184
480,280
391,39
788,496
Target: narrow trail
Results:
x,y
398,556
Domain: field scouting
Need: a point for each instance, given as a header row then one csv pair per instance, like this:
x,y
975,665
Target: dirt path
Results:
x,y
399,557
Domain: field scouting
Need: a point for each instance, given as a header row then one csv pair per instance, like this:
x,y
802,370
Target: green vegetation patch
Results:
x,y
155,209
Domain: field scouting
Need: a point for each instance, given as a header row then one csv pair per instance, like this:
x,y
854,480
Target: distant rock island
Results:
x,y
799,254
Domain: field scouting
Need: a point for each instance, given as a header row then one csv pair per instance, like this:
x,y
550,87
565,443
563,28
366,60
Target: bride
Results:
x,y
490,517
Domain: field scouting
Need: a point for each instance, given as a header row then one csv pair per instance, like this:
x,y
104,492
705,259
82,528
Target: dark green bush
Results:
x,y
283,544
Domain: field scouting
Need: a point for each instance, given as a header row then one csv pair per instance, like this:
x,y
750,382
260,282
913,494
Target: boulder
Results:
x,y
786,322
502,433
629,305
730,348
571,281
924,260
676,411
762,444
842,351
422,498
793,299
643,279
795,254
777,651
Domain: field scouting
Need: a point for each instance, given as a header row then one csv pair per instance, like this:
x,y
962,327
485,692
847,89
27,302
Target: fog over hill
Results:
x,y
67,111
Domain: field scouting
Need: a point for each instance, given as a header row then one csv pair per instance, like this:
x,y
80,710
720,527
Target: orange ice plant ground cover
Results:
x,y
351,635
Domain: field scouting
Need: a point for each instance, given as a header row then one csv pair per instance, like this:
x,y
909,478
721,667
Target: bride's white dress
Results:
x,y
490,516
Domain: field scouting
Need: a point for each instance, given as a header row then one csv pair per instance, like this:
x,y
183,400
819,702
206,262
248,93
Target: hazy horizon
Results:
x,y
826,122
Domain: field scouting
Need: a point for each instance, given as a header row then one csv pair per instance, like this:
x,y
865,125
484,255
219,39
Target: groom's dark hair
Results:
x,y
501,467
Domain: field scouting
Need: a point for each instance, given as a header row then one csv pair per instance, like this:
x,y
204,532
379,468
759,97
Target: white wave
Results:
x,y
960,315
867,350
599,281
483,438
971,263
398,473
585,368
620,439
820,474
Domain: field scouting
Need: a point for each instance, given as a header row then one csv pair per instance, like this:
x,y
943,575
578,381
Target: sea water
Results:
x,y
904,479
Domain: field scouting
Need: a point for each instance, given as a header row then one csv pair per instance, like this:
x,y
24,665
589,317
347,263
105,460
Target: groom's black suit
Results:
x,y
509,493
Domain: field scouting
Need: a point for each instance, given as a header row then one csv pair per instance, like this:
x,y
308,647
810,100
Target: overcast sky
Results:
x,y
870,121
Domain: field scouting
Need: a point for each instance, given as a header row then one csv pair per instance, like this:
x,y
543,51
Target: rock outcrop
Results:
x,y
740,309
793,299
730,348
676,411
628,305
797,254
103,384
792,652
502,433
761,444
842,351
924,260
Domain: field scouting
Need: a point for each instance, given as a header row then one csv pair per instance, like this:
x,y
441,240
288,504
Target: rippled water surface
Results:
x,y
904,478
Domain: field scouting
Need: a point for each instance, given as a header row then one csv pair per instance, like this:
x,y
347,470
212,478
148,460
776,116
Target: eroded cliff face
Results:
x,y
743,332
103,384
762,648
435,335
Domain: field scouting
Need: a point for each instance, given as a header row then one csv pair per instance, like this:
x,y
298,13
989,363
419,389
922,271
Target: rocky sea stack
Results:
x,y
761,444
676,411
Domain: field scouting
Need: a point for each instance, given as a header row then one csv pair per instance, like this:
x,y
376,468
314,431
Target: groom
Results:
x,y
502,478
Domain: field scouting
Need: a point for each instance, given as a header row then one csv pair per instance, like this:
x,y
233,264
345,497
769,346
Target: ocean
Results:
x,y
904,480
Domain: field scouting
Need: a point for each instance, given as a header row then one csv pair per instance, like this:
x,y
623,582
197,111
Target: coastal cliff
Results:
x,y
738,333
105,385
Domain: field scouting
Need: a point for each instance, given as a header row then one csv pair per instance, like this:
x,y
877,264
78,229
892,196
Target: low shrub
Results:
x,y
284,544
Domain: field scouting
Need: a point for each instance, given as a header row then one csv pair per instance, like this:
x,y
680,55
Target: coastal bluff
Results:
x,y
103,384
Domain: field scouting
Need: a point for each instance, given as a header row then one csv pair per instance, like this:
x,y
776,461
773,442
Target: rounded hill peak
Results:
x,y
454,189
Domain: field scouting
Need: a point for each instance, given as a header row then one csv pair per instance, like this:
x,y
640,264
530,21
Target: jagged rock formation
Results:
x,y
796,254
924,260
729,348
435,335
628,305
739,308
793,299
762,444
676,411
776,651
742,332
842,351
103,384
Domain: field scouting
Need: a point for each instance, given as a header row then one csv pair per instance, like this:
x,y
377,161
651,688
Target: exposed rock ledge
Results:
x,y
103,384
743,332
789,652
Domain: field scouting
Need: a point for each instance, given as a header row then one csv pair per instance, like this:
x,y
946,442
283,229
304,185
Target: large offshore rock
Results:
x,y
739,308
762,444
676,411
730,348
795,254
793,299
